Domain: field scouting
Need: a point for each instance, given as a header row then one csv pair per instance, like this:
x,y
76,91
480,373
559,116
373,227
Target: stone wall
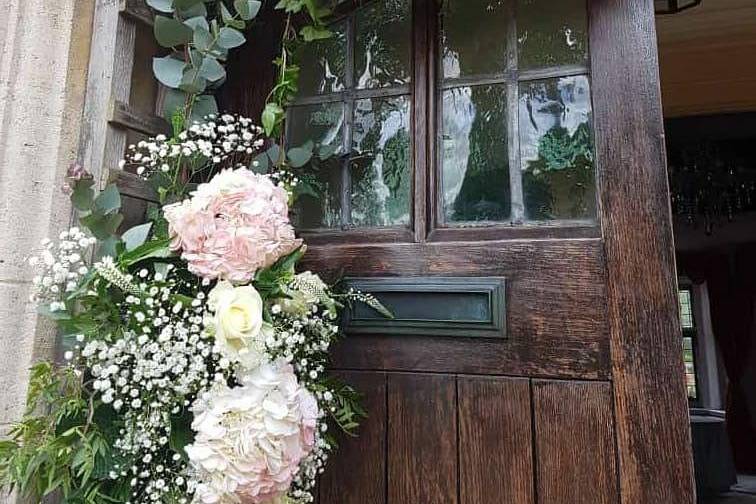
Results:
x,y
44,55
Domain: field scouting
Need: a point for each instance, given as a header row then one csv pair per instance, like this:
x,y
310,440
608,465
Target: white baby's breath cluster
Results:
x,y
225,139
60,267
148,375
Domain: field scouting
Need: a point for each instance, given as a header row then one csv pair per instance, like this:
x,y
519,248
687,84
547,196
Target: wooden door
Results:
x,y
536,355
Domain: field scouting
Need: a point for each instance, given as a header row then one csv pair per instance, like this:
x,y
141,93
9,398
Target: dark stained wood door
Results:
x,y
582,400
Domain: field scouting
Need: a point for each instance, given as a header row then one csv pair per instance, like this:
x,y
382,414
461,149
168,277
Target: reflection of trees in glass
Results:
x,y
551,33
474,39
565,167
381,179
557,149
484,194
382,49
321,63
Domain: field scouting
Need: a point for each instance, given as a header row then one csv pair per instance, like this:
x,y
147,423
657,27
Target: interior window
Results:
x,y
689,341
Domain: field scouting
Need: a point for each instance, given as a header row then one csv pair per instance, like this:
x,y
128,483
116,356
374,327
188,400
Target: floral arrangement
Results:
x,y
195,357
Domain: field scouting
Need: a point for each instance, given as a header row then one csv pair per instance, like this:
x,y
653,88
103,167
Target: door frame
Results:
x,y
651,408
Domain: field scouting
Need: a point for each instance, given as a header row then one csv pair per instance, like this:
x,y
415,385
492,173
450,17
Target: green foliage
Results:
x,y
64,451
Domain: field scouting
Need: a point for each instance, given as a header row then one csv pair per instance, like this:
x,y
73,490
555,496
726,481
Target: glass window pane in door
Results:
x,y
552,33
380,163
474,38
556,149
383,44
474,154
318,203
322,62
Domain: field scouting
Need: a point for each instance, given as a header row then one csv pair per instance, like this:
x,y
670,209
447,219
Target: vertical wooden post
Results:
x,y
653,431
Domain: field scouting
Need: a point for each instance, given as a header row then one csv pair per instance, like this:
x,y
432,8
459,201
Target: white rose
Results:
x,y
238,323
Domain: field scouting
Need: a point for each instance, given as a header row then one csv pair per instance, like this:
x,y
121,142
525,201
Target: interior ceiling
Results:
x,y
707,58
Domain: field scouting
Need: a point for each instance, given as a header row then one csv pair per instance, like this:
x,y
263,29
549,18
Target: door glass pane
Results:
x,y
475,159
380,162
556,149
474,37
382,45
319,201
321,63
552,33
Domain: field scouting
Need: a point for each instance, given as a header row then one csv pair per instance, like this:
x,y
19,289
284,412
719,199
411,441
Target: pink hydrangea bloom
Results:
x,y
232,226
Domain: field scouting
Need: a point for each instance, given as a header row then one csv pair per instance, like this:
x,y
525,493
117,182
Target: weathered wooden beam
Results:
x,y
136,10
124,116
131,185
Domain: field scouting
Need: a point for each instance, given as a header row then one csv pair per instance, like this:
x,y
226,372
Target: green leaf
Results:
x,y
136,236
83,194
108,246
102,226
181,432
229,19
186,4
175,101
228,38
212,70
204,105
168,70
154,248
193,11
203,39
108,200
247,9
260,163
170,32
270,117
161,5
197,21
327,150
310,33
192,82
300,156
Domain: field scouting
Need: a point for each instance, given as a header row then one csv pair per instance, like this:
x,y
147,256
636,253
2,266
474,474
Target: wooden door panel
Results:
x,y
422,439
357,475
495,441
574,440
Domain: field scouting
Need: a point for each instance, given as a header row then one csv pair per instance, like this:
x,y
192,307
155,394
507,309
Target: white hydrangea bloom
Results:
x,y
251,439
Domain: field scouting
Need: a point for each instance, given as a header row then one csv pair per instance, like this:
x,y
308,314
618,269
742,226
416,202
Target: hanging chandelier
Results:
x,y
711,183
674,6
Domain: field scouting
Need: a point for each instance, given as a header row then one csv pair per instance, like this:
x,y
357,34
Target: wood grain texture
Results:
x,y
131,185
556,315
574,443
357,474
495,441
125,116
422,439
650,398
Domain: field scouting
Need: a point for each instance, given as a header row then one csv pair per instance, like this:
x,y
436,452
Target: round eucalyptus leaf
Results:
x,y
170,32
175,101
161,5
228,38
192,82
203,40
247,9
197,21
211,69
204,105
300,156
168,70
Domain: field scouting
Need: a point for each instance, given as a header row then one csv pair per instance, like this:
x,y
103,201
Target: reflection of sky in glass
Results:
x,y
390,116
542,108
382,44
459,112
